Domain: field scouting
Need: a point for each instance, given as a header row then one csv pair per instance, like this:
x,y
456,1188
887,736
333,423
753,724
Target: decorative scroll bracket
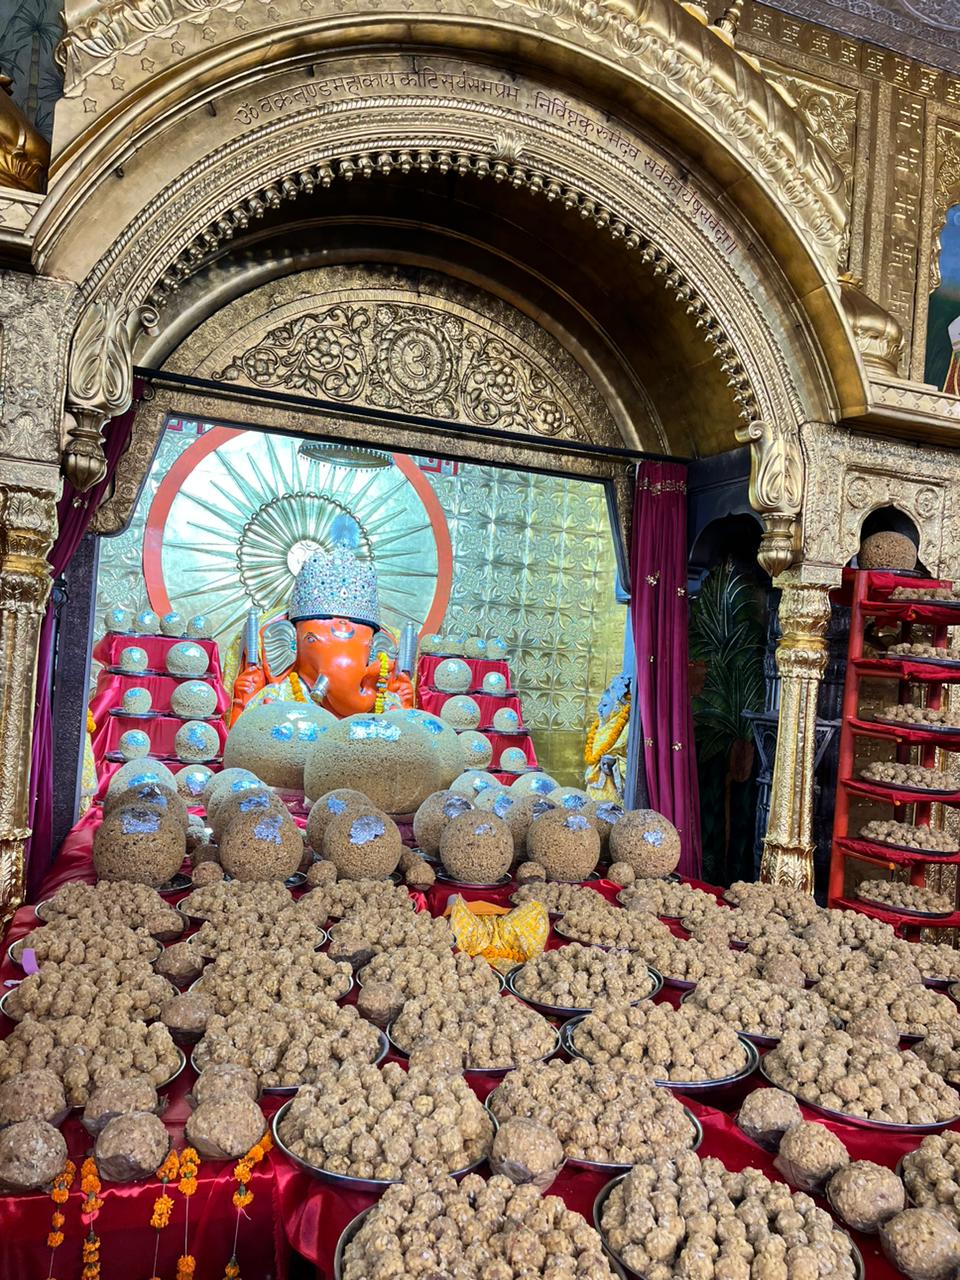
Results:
x,y
776,491
100,384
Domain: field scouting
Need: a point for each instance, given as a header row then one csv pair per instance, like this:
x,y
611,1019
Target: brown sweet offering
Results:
x,y
436,1055
874,1024
139,843
259,798
187,1014
225,1080
860,1077
370,1122
32,1154
274,740
330,806
785,971
226,1128
513,1230
531,873
414,971
576,977
493,1033
131,1147
380,1002
518,812
207,873
681,1045
118,1098
931,1174
420,875
621,873
758,1007
150,795
476,848
321,873
181,963
435,815
566,844
610,1115
557,897
261,846
923,1245
810,1155
865,1195
201,854
693,1218
647,841
767,1114
907,897
101,989
887,550
32,1095
363,844
526,1152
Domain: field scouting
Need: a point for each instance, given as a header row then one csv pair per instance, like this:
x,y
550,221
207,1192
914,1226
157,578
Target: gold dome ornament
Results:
x,y
878,335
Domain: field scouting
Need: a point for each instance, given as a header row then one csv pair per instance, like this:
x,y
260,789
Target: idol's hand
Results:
x,y
403,686
250,680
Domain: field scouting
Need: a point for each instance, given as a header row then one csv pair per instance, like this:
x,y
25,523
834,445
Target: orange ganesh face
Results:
x,y
332,647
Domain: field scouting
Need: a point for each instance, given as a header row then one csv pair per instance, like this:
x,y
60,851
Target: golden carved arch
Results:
x,y
189,173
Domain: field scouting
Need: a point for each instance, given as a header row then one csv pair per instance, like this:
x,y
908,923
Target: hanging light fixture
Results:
x,y
341,453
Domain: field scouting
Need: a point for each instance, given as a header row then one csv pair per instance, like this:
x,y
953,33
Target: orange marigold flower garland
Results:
x,y
59,1195
163,1205
243,1196
189,1168
92,1204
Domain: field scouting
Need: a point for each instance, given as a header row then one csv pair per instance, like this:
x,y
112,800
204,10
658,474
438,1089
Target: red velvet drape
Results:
x,y
74,513
659,612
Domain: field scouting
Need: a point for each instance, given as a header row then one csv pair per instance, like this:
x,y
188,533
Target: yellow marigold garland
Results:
x,y
296,687
242,1197
91,723
59,1194
163,1205
593,750
381,697
92,1204
189,1168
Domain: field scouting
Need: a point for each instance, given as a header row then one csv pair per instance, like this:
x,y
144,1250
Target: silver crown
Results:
x,y
336,584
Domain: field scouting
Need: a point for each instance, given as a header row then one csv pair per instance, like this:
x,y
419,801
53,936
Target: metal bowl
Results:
x,y
183,1062
345,1180
861,1122
287,1090
906,911
601,1200
560,1011
485,1071
443,878
681,1086
3,1006
176,884
762,1041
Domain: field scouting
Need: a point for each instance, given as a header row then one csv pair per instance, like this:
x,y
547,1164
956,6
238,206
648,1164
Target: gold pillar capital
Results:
x,y
804,614
28,526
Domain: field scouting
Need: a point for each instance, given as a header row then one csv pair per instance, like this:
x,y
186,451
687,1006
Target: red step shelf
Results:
x,y
869,596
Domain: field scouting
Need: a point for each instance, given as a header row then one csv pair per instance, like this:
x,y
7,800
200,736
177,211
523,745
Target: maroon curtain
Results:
x,y
658,607
74,513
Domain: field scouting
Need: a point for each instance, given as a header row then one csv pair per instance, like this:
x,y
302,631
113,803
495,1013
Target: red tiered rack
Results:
x,y
869,595
431,699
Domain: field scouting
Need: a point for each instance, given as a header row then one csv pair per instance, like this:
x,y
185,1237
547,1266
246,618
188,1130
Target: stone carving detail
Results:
x,y
28,524
100,385
850,475
399,356
776,490
831,116
671,50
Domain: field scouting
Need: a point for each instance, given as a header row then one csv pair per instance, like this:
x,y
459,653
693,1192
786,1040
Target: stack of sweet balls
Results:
x,y
481,833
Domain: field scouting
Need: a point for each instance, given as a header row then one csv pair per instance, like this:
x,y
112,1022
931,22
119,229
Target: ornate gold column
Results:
x,y
28,525
801,661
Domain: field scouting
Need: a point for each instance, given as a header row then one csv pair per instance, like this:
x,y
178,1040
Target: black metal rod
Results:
x,y
389,417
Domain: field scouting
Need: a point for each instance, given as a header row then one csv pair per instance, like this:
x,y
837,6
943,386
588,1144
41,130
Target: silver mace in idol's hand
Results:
x,y
320,690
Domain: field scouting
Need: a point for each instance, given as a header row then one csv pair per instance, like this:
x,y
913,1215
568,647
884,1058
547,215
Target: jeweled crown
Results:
x,y
337,584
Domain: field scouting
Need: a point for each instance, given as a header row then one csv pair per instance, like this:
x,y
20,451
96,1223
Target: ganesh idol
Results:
x,y
323,650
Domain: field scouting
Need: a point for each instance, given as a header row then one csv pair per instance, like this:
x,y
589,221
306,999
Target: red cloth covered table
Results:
x,y
431,699
292,1210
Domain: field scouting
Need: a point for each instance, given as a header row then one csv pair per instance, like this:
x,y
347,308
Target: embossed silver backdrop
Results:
x,y
227,517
